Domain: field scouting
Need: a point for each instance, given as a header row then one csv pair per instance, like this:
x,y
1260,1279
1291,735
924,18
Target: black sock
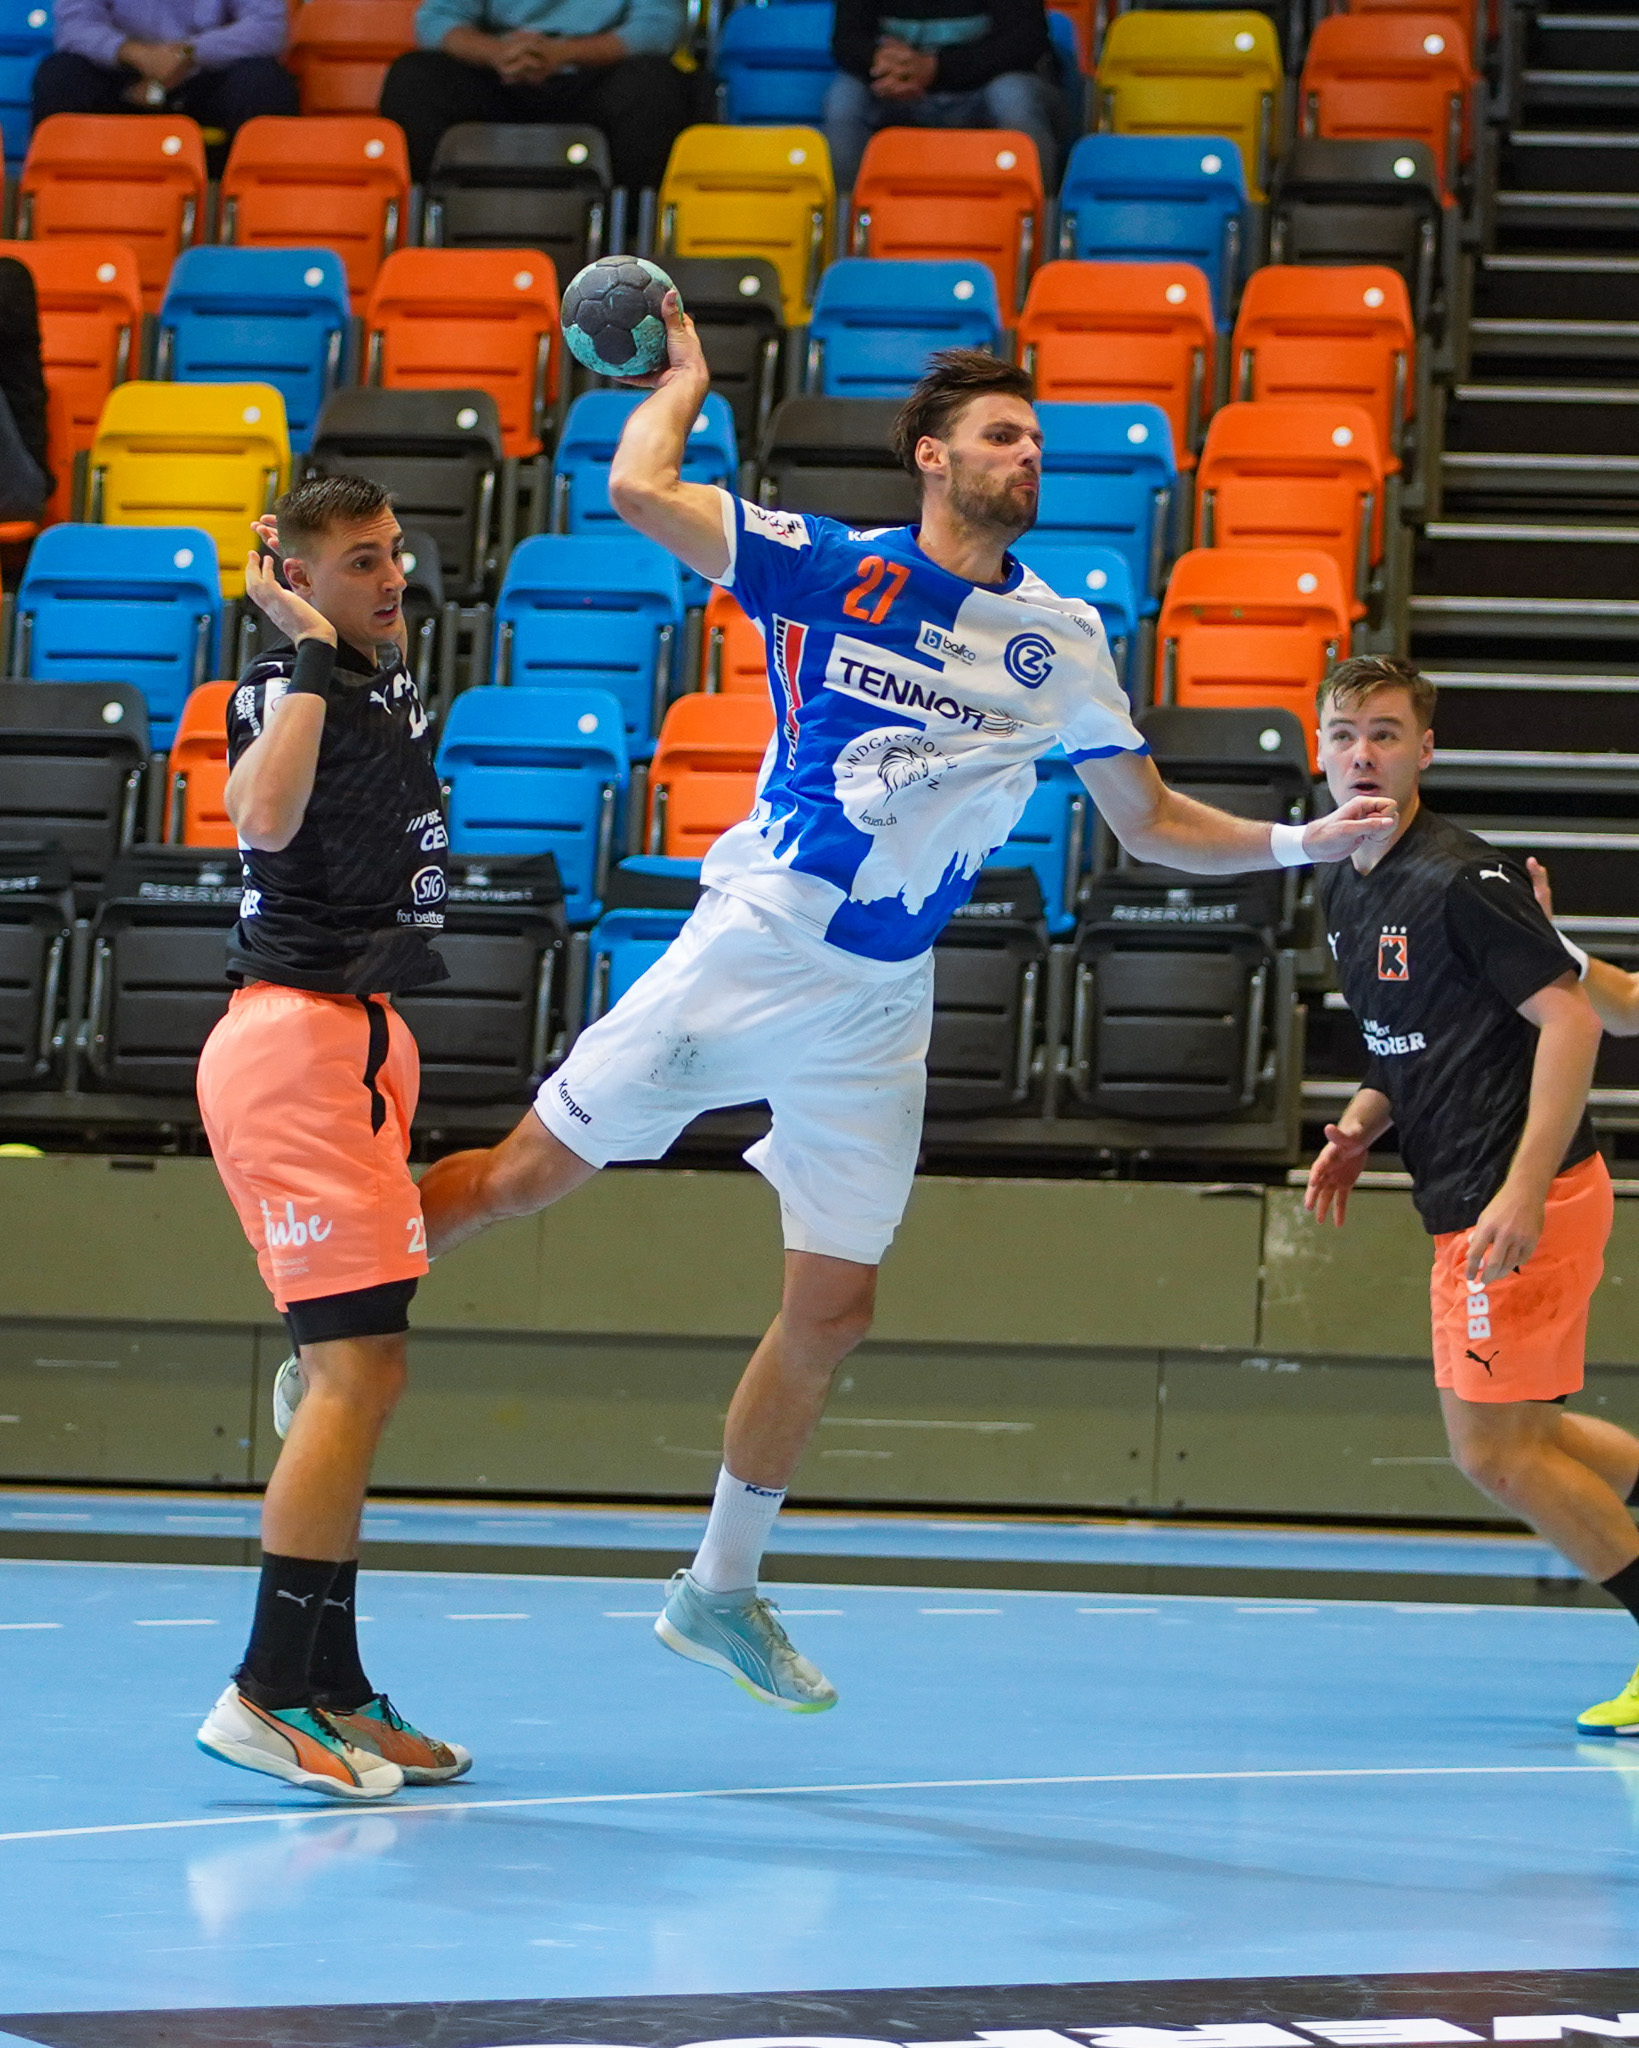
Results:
x,y
338,1677
1624,1586
289,1605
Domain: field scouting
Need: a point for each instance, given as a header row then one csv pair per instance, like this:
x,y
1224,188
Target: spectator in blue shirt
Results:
x,y
216,60
606,63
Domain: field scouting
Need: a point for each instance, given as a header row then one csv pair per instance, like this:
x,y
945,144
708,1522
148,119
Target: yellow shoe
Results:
x,y
1619,1716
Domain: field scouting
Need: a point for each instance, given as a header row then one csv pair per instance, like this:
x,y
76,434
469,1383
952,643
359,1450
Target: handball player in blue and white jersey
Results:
x,y
918,674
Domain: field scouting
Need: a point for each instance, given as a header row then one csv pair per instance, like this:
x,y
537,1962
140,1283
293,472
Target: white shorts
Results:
x,y
745,1008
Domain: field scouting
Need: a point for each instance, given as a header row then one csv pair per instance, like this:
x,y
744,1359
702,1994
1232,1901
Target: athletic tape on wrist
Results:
x,y
1286,844
315,665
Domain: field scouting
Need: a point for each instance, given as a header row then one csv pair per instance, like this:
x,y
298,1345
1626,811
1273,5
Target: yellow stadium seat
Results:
x,y
752,192
210,455
1196,74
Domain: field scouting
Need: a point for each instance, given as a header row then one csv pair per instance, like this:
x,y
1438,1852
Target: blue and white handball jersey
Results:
x,y
910,710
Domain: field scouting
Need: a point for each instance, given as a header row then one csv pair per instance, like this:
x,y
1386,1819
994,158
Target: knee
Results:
x,y
262,85
847,98
413,75
368,1375
1490,1463
1017,98
829,1336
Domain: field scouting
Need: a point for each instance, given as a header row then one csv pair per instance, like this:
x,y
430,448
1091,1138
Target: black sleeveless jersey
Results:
x,y
351,905
1435,948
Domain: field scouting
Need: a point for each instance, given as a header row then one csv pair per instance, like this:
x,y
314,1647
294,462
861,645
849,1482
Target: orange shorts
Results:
x,y
307,1102
1524,1337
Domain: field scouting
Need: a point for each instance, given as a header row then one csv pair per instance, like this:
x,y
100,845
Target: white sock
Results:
x,y
742,1516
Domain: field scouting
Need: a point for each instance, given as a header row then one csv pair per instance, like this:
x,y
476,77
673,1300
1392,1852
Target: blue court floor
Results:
x,y
1018,1788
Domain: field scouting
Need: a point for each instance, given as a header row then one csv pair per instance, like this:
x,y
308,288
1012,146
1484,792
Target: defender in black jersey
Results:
x,y
1481,1045
308,1087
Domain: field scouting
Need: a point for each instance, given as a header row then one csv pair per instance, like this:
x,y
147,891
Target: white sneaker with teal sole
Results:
x,y
740,1633
288,1388
301,1745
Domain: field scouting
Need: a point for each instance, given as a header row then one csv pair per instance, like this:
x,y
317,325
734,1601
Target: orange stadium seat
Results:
x,y
957,192
704,776
1132,331
340,51
1083,17
444,319
291,181
734,661
1295,476
1390,77
1469,18
1245,626
137,177
195,814
90,299
1338,334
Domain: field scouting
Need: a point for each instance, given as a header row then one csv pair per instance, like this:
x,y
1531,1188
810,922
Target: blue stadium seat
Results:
x,y
25,37
275,316
1108,476
539,771
774,64
1159,198
1073,81
122,604
597,611
1099,576
627,942
1053,839
877,320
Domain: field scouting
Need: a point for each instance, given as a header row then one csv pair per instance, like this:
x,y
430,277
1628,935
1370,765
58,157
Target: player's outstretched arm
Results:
x,y
1338,1163
272,782
1614,994
1155,823
646,484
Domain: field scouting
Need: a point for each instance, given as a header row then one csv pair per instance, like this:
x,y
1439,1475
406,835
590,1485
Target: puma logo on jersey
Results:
x,y
1494,874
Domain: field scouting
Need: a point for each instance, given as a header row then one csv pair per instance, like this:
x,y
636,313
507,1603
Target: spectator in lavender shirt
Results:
x,y
216,60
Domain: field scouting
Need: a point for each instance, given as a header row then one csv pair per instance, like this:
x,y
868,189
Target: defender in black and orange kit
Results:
x,y
1481,1044
307,1087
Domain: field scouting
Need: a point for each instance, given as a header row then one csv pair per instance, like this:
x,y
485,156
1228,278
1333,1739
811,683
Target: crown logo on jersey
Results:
x,y
1393,958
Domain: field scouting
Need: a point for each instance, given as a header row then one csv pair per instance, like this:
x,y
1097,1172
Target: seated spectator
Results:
x,y
940,64
605,63
214,60
25,479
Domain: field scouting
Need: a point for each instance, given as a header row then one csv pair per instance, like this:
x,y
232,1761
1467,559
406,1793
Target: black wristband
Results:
x,y
315,665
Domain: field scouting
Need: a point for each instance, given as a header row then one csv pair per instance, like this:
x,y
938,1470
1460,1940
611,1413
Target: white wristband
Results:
x,y
1577,955
1286,845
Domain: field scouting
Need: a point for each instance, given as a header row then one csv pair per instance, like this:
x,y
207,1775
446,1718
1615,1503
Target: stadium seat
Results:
x,y
1135,332
90,300
651,898
1296,476
1340,334
25,37
137,605
502,185
989,970
739,315
137,178
1362,203
733,658
157,987
1069,51
876,321
831,456
752,192
774,64
1209,74
36,931
1158,199
962,193
703,778
1108,477
1249,626
1052,839
340,51
1390,77
1099,576
209,455
72,761
287,177
439,453
424,615
494,1027
438,318
533,771
276,315
598,612
197,771
1083,19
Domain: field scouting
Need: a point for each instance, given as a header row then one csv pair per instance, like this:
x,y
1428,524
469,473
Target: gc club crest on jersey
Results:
x,y
1393,959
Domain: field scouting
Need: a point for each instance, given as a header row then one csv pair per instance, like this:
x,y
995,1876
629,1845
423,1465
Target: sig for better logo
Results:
x,y
428,886
1028,659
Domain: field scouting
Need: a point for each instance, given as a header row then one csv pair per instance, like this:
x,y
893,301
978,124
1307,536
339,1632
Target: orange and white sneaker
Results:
x,y
378,1727
299,1744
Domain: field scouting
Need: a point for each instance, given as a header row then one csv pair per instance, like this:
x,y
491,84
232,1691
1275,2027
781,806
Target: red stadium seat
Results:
x,y
704,776
962,192
1390,77
291,181
340,51
1343,334
135,178
734,661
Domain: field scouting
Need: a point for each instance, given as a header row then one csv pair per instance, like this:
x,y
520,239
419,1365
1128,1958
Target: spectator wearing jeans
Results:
x,y
214,60
941,64
605,63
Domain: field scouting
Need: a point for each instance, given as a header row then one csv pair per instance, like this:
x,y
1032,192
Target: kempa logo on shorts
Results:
x,y
291,1229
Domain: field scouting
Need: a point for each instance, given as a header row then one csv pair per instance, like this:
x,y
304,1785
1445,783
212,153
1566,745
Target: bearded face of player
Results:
x,y
991,467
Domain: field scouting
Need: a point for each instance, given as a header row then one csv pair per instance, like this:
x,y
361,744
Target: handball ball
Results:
x,y
611,316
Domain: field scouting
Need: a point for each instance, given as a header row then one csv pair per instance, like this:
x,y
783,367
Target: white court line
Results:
x,y
30,1624
486,1617
286,1815
202,1621
950,1610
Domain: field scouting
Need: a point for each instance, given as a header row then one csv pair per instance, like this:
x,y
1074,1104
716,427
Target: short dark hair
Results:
x,y
310,510
953,379
1353,682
